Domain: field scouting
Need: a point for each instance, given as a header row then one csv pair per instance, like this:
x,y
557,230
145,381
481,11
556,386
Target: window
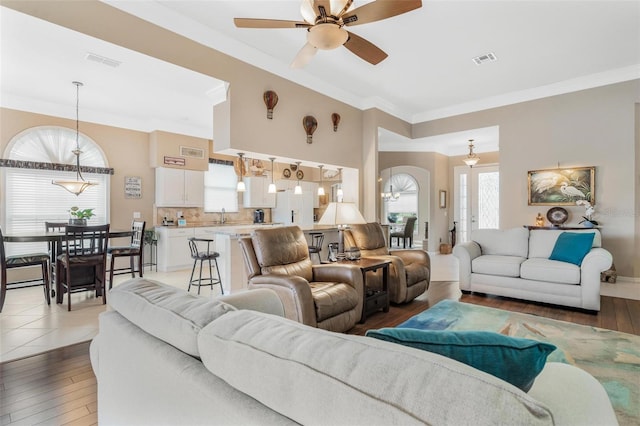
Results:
x,y
31,198
220,183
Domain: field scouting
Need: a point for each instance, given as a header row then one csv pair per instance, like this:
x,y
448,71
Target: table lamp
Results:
x,y
342,215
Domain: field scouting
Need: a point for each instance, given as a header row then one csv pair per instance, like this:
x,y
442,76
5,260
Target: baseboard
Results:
x,y
628,280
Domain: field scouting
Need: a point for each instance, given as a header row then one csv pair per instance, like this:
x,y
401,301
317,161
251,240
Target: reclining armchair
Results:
x,y
326,296
409,273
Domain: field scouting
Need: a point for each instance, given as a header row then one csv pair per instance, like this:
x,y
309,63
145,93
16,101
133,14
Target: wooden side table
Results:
x,y
373,300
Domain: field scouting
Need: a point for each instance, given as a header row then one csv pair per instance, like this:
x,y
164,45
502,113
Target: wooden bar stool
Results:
x,y
200,256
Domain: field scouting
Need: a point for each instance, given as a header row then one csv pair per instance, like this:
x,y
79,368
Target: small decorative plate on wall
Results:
x,y
557,216
300,174
286,173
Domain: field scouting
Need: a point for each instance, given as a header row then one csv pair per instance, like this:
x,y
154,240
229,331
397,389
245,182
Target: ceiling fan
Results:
x,y
324,21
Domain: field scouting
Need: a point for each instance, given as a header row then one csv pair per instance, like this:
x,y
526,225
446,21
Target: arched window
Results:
x,y
33,159
407,203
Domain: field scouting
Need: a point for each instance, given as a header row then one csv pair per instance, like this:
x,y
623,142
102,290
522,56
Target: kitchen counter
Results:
x,y
174,253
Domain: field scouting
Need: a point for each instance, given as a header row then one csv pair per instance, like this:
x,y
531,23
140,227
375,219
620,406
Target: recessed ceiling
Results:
x,y
543,48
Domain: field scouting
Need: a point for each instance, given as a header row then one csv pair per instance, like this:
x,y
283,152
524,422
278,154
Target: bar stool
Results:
x,y
316,244
208,255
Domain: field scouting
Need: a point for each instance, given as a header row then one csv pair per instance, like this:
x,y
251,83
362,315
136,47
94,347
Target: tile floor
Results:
x,y
29,326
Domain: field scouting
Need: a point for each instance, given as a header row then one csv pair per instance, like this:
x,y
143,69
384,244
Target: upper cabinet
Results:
x,y
179,188
257,193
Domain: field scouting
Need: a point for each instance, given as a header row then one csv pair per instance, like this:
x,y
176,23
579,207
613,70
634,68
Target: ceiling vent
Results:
x,y
487,57
102,60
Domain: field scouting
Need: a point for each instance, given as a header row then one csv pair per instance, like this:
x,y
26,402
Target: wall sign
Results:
x,y
132,187
191,152
174,161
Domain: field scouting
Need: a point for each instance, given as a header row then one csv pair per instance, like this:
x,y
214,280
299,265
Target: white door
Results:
x,y
477,194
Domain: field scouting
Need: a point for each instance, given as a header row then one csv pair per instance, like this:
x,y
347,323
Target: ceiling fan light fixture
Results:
x,y
327,36
338,7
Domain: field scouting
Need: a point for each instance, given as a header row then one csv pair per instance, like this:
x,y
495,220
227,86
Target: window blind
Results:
x,y
220,188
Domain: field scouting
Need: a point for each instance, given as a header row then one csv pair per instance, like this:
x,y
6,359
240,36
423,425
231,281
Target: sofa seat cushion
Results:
x,y
552,271
504,266
416,273
313,376
166,312
331,299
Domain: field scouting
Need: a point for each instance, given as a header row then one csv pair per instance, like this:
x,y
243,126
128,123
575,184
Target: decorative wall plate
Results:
x,y
557,216
286,173
300,174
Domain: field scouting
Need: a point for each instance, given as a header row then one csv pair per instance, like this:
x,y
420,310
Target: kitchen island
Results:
x,y
174,253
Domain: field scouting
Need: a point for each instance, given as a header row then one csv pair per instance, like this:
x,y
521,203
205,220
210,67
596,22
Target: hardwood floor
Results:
x,y
59,387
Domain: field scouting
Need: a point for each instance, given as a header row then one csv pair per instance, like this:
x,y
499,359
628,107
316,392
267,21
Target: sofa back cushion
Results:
x,y
507,242
282,250
542,241
314,376
166,312
368,236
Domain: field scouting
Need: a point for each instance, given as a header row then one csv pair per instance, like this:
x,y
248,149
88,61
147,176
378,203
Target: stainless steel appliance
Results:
x,y
258,216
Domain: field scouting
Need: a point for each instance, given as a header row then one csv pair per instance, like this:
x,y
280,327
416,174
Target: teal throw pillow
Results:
x,y
512,359
572,247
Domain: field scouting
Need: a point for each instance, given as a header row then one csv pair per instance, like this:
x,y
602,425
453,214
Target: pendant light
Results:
x,y
472,158
320,188
241,186
298,188
272,186
340,192
79,185
390,196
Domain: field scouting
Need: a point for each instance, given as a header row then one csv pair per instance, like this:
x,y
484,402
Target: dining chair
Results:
x,y
53,249
405,234
20,261
82,265
132,251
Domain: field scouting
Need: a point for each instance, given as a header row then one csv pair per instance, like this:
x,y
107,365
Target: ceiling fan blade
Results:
x,y
322,8
268,23
378,10
304,56
365,49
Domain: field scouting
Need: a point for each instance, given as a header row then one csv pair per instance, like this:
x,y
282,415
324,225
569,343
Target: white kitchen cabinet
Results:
x,y
307,188
257,194
179,188
173,248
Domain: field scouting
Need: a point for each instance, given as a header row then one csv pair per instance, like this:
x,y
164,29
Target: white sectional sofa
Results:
x,y
165,357
515,263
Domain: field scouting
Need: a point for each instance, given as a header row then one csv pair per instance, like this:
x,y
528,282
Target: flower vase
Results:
x,y
588,224
78,222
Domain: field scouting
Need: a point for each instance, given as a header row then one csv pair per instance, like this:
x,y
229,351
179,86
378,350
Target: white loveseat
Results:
x,y
515,263
163,356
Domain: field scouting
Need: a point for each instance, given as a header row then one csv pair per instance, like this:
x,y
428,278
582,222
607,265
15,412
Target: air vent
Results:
x,y
487,57
102,60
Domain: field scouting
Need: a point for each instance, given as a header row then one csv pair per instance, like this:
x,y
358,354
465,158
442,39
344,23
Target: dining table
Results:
x,y
56,238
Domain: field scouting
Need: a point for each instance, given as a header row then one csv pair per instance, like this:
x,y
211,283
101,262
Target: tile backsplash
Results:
x,y
196,215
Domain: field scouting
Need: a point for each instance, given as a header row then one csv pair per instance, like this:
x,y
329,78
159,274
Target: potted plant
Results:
x,y
588,221
80,216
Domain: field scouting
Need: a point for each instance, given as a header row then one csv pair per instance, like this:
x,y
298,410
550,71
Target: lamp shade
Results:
x,y
341,214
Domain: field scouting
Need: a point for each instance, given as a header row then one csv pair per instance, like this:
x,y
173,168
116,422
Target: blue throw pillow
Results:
x,y
572,247
512,359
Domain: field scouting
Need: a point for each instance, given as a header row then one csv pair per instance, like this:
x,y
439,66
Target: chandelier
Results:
x,y
390,196
79,185
472,158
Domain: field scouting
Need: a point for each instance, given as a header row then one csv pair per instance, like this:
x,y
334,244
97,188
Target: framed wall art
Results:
x,y
443,199
561,187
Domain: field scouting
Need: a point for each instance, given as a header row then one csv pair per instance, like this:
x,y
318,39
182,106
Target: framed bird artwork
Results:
x,y
561,187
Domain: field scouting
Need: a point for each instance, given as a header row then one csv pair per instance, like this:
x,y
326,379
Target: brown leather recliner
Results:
x,y
327,296
410,270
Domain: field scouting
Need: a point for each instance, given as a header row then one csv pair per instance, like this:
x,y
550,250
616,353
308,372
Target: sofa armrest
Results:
x,y
413,256
348,274
465,253
595,262
261,300
294,293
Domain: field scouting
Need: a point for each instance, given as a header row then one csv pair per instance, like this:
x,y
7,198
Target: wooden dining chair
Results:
x,y
54,247
21,261
82,265
132,251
